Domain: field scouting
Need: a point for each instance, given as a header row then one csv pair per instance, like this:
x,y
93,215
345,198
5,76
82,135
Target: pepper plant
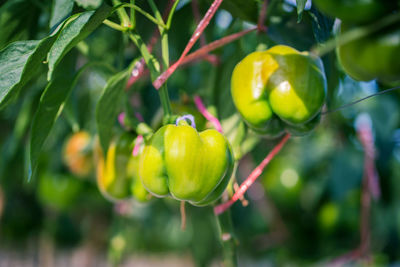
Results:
x,y
161,102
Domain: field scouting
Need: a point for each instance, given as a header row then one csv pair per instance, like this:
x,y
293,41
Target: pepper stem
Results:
x,y
183,120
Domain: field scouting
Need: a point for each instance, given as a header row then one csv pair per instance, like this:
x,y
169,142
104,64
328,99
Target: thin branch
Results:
x,y
367,140
183,215
196,15
196,35
201,52
252,177
203,110
140,68
261,18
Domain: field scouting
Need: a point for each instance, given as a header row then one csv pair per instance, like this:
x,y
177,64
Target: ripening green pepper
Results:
x,y
117,176
136,188
280,88
187,165
372,57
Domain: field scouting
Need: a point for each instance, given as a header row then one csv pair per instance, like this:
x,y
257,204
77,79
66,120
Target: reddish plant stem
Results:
x,y
136,148
203,110
201,52
366,138
252,177
261,18
196,35
183,215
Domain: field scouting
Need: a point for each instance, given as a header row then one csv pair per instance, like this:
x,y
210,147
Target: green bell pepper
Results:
x,y
178,161
117,176
372,57
277,89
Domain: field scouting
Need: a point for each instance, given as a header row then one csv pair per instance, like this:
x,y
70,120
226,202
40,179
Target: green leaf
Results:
x,y
74,32
49,108
108,106
21,62
18,19
52,102
61,10
300,9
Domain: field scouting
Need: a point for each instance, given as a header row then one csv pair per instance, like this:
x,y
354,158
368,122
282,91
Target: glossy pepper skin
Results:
x,y
187,165
117,175
372,57
354,11
277,89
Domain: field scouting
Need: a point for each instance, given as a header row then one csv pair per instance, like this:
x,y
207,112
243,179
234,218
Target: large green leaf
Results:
x,y
74,32
52,102
108,106
19,62
61,10
50,107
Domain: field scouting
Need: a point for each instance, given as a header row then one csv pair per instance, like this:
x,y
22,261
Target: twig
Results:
x,y
196,35
261,18
214,45
183,215
203,110
252,177
365,135
140,70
